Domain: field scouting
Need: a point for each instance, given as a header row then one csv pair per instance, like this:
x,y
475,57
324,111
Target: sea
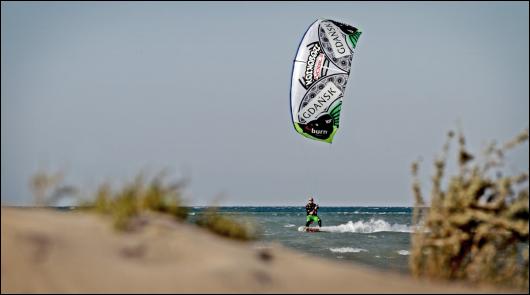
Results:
x,y
378,237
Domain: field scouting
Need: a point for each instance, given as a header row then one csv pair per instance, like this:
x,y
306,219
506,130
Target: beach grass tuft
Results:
x,y
134,198
476,227
140,196
226,226
137,197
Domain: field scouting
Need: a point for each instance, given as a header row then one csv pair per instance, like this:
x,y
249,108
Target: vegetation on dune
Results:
x,y
476,228
48,188
225,226
137,197
123,204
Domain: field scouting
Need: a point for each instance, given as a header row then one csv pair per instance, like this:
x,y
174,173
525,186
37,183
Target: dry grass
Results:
x,y
476,228
122,204
139,196
225,226
47,188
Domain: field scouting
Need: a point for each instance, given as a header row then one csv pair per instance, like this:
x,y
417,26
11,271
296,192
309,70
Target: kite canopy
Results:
x,y
320,73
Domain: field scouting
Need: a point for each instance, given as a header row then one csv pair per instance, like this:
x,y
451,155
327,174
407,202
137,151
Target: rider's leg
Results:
x,y
319,221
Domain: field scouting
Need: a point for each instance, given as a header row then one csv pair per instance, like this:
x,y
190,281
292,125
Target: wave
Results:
x,y
403,252
289,225
372,226
374,213
347,250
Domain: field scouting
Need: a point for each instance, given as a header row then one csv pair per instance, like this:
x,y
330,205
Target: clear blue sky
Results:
x,y
103,90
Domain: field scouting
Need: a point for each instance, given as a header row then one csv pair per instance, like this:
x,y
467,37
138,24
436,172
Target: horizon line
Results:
x,y
333,206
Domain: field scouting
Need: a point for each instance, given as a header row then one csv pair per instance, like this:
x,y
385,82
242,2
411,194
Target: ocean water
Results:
x,y
375,236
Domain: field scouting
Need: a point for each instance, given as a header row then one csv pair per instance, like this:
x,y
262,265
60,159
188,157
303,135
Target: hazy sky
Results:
x,y
104,90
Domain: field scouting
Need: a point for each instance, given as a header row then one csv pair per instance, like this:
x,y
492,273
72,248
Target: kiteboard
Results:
x,y
312,229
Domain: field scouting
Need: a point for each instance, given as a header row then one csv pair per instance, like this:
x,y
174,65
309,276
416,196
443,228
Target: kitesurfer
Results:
x,y
311,210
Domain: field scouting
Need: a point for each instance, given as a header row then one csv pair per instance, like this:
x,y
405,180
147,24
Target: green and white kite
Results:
x,y
320,73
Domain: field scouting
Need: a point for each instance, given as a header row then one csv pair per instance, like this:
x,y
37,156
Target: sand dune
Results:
x,y
51,251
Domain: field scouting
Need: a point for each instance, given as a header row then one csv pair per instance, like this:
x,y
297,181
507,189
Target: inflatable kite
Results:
x,y
320,73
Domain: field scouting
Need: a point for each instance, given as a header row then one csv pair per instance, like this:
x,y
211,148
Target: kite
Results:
x,y
320,73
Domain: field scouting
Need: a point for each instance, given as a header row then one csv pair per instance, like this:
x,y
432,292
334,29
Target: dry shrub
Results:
x,y
476,228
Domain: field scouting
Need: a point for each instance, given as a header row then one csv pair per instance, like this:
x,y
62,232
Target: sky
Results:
x,y
102,91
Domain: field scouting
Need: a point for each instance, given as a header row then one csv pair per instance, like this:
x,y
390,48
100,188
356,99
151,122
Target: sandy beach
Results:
x,y
71,252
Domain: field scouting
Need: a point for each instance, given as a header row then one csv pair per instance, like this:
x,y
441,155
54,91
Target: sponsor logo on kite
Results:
x,y
321,102
313,66
336,40
320,128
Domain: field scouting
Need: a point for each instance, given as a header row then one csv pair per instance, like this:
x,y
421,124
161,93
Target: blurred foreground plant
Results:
x,y
226,226
140,196
123,204
47,188
476,228
137,197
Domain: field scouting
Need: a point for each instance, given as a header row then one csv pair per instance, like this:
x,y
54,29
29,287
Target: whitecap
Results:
x,y
289,225
371,226
347,250
403,252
